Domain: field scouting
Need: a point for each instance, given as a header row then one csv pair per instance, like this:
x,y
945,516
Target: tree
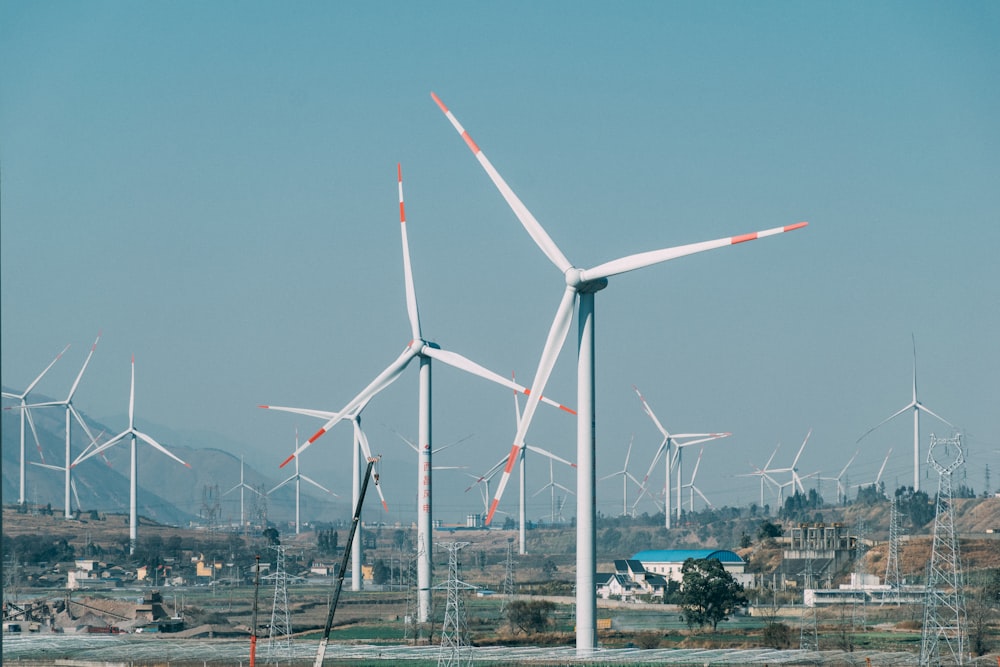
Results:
x,y
272,536
709,594
769,530
380,572
530,615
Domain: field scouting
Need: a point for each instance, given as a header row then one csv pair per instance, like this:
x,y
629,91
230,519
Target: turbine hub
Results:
x,y
574,278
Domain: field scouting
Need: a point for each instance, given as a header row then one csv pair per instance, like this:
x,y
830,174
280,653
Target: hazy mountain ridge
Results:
x,y
167,491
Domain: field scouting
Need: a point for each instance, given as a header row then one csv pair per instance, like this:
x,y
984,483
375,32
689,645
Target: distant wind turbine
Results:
x,y
916,406
298,478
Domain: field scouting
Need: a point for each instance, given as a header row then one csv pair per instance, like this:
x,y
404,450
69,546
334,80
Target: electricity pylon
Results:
x,y
279,635
944,605
892,577
455,647
508,579
808,636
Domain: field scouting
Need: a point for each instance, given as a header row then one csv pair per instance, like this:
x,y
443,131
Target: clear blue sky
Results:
x,y
213,186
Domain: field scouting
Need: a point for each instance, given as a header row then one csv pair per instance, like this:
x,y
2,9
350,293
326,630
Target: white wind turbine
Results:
x,y
298,478
677,441
242,486
71,411
552,486
916,406
360,449
794,480
417,348
841,488
132,433
626,476
763,474
878,477
582,284
692,489
26,415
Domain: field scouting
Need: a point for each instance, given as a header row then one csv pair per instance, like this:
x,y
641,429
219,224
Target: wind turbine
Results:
x,y
878,477
417,348
71,411
841,489
552,486
916,406
132,433
626,476
764,475
582,284
795,480
242,486
673,458
298,478
26,414
692,489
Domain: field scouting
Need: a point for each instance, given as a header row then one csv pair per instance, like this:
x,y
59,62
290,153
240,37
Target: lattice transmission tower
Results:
x,y
892,577
455,647
859,605
279,634
808,636
943,640
507,589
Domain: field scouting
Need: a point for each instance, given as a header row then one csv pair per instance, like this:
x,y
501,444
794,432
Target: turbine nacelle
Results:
x,y
575,279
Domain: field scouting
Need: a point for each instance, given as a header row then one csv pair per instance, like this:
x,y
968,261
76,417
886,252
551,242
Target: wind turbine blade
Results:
x,y
700,438
649,411
707,501
79,375
290,479
366,450
796,461
99,450
549,454
381,381
656,459
41,375
462,363
411,292
773,454
643,259
887,419
553,345
528,221
153,443
694,473
849,462
131,398
47,465
920,406
560,486
628,452
489,473
34,433
308,412
318,485
405,439
882,469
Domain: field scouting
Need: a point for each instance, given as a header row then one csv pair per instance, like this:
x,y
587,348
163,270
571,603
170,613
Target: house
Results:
x,y
669,562
629,580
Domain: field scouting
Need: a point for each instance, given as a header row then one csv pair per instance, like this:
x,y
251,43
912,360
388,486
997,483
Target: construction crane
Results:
x,y
321,653
253,623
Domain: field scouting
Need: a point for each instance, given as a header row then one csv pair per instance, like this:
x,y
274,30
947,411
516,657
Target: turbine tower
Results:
x,y
582,285
426,351
26,415
626,476
132,433
916,406
242,486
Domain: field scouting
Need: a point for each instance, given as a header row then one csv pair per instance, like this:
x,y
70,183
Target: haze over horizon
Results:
x,y
214,188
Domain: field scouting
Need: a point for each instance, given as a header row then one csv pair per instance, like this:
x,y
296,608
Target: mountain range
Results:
x,y
167,491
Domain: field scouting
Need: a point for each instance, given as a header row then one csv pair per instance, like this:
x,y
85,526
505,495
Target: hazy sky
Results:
x,y
213,185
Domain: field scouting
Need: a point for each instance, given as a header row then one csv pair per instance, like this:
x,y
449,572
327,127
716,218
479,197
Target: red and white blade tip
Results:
x,y
743,238
287,461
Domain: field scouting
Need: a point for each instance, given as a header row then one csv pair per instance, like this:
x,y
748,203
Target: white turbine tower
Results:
x,y
71,411
626,476
676,442
298,478
242,486
132,433
916,406
417,348
582,284
26,415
